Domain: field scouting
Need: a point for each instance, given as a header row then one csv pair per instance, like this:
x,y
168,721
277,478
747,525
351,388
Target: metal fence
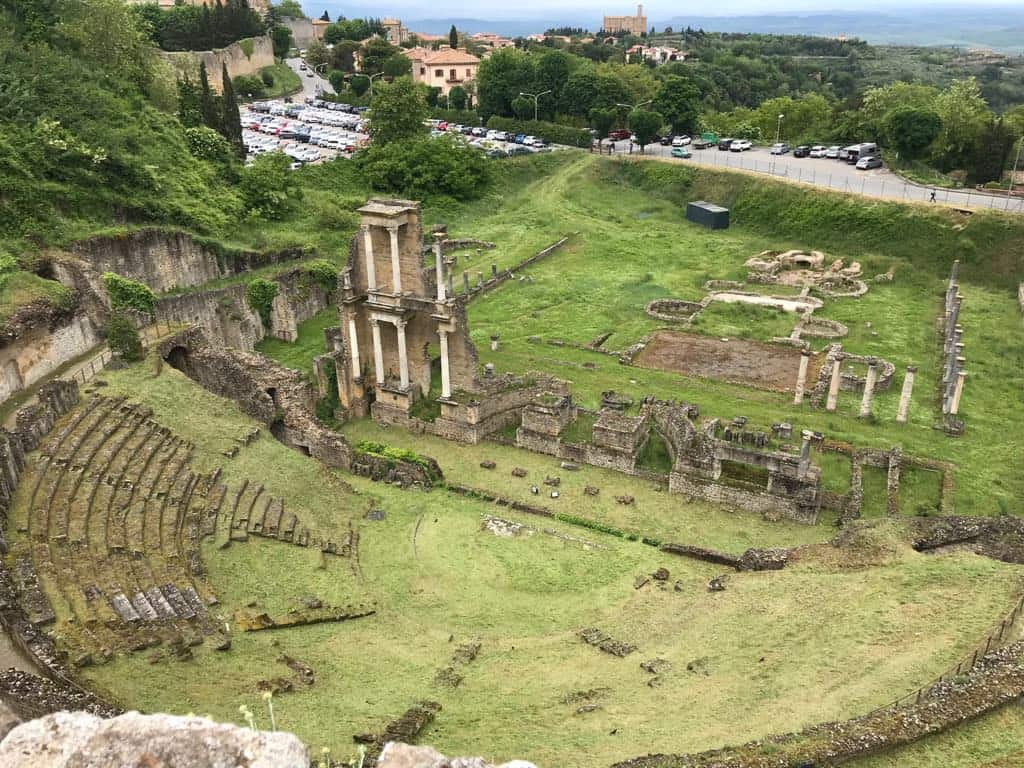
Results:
x,y
149,335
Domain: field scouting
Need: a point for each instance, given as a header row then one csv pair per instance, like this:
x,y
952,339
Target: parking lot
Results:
x,y
308,132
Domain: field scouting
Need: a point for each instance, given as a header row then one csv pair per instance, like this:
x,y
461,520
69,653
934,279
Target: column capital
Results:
x,y
375,322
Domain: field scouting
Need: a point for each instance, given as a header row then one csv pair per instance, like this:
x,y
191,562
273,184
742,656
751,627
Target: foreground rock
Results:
x,y
398,755
81,740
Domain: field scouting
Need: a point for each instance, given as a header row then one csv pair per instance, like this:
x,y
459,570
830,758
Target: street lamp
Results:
x,y
535,97
778,130
370,78
633,107
1013,173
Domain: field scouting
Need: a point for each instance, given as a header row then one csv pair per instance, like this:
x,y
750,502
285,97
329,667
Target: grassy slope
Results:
x,y
854,635
633,246
309,343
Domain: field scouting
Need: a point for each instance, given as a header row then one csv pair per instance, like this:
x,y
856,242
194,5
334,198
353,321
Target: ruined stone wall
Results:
x,y
165,260
746,499
299,298
238,63
223,314
39,351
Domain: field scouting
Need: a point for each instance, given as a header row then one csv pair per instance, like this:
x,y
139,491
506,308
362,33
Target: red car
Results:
x,y
619,135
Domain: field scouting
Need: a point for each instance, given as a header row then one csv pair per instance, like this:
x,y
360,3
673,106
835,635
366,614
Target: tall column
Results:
x,y
465,281
371,271
801,377
439,265
908,388
954,409
805,444
403,358
378,352
396,267
446,376
833,385
869,387
357,369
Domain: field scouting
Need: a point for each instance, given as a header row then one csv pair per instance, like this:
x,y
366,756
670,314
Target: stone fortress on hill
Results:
x,y
633,25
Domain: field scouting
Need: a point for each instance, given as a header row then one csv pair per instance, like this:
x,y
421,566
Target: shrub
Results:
x,y
268,187
260,295
394,455
206,144
425,168
552,132
123,339
323,273
128,294
251,85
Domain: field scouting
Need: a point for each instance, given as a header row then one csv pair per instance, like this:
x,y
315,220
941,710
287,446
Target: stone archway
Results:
x,y
179,359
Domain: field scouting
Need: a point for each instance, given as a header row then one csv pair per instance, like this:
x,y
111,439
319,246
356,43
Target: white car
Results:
x,y
529,141
681,141
818,151
741,145
833,152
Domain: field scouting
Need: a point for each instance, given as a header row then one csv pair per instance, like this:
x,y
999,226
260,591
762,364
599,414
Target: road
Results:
x,y
832,174
311,86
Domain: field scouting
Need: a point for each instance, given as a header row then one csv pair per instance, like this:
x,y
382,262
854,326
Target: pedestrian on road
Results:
x,y
932,198
611,148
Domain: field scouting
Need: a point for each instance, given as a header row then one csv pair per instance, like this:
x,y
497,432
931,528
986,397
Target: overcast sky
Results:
x,y
655,9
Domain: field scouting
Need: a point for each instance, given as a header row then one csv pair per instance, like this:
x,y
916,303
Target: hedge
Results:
x,y
553,133
128,294
460,116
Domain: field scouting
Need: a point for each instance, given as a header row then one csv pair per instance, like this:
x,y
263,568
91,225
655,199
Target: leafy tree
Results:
x,y
337,80
399,110
602,120
268,187
128,294
453,37
457,97
397,65
317,54
645,126
359,84
522,107
679,101
432,97
123,339
249,85
911,130
189,111
231,120
502,76
423,167
267,78
990,153
259,295
287,9
964,115
374,53
281,37
206,144
343,56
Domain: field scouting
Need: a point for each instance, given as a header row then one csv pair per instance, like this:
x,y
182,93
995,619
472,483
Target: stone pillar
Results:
x,y
371,271
378,352
403,358
357,368
869,387
495,338
954,409
494,270
439,265
446,376
451,286
465,281
805,445
479,279
833,385
396,267
801,377
908,388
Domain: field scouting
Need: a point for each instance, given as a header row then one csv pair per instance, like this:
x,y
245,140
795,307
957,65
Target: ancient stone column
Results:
x,y
479,279
403,358
439,265
451,287
908,388
378,351
465,281
833,385
805,445
371,270
357,369
801,377
494,270
446,377
958,392
396,267
869,387
494,342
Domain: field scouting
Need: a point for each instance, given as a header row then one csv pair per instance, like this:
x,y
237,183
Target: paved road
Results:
x,y
833,174
311,86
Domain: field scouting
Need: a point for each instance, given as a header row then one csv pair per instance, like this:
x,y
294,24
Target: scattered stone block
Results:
x,y
554,482
591,490
700,666
487,464
718,583
570,466
641,581
656,666
518,472
661,574
625,500
375,514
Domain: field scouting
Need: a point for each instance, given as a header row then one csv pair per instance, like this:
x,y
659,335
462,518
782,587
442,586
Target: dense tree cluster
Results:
x,y
352,29
201,27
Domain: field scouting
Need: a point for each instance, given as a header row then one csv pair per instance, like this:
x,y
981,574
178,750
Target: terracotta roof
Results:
x,y
449,56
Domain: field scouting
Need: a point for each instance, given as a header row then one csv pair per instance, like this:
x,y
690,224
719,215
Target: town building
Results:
x,y
492,41
633,25
394,31
661,54
444,68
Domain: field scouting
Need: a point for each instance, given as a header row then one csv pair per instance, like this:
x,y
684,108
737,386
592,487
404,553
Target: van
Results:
x,y
725,145
855,152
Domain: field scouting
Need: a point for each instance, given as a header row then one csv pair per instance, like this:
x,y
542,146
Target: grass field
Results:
x,y
855,631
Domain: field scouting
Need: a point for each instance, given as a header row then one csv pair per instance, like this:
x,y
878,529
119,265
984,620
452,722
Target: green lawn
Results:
x,y
309,343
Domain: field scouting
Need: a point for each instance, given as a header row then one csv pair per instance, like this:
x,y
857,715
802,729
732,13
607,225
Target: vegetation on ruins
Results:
x,y
123,338
259,295
129,294
394,455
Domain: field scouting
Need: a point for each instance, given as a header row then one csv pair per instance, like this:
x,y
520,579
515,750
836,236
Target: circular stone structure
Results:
x,y
673,310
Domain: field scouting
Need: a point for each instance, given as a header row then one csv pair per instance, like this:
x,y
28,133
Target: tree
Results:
x,y
343,56
453,37
602,120
189,112
425,167
317,54
991,151
287,9
123,339
359,84
397,65
964,115
206,144
645,126
522,108
457,97
911,130
501,78
282,39
374,53
209,109
337,80
268,186
231,120
249,85
679,102
399,110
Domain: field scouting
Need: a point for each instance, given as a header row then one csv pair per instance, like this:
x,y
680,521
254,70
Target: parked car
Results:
x,y
832,153
780,148
724,145
666,140
741,145
529,141
681,152
520,138
701,143
818,151
619,135
517,149
478,131
869,162
681,141
802,151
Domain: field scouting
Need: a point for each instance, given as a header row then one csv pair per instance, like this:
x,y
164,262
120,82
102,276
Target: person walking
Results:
x,y
932,198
